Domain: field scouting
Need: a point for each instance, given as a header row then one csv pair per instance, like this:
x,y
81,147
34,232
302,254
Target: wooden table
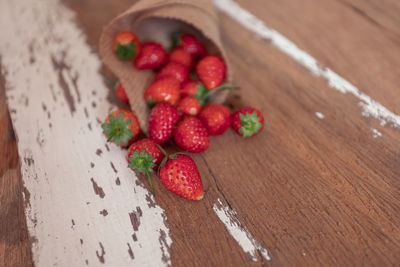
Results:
x,y
319,186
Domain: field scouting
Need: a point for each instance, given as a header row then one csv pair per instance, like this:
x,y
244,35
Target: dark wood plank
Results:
x,y
326,188
341,39
383,14
15,245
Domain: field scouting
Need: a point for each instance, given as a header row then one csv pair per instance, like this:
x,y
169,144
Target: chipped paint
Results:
x,y
242,236
63,177
375,133
320,115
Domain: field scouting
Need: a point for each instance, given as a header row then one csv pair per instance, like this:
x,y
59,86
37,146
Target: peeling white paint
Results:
x,y
375,133
242,236
78,208
319,115
369,106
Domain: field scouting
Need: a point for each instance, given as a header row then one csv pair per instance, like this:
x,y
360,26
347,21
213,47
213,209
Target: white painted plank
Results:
x,y
79,209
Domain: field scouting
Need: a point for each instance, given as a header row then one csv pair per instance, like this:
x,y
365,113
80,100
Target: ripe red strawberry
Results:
x,y
189,106
151,149
121,127
193,88
191,135
180,175
211,71
152,56
189,43
144,156
216,118
247,122
162,121
177,70
126,45
163,90
121,93
179,55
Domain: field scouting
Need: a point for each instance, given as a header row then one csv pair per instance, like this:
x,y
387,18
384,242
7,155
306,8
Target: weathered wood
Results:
x,y
343,40
15,246
77,211
319,186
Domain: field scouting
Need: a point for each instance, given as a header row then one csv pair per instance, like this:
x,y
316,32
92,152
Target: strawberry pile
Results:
x,y
185,79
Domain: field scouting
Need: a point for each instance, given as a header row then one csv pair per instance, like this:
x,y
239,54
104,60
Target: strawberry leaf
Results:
x,y
250,124
126,51
117,129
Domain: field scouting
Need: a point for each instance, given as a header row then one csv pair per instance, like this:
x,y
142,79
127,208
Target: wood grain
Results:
x,y
311,190
343,40
15,245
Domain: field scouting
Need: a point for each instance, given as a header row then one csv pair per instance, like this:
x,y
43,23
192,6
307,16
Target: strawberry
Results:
x,y
144,156
121,93
152,56
247,122
216,118
126,45
177,70
162,121
189,106
121,127
180,175
193,88
189,43
211,71
163,90
191,135
181,56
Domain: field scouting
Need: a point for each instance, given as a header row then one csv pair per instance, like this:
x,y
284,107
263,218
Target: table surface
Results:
x,y
319,186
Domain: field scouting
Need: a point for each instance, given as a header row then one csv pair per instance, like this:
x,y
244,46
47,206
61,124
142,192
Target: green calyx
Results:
x,y
176,38
203,93
250,124
126,51
117,129
142,163
151,102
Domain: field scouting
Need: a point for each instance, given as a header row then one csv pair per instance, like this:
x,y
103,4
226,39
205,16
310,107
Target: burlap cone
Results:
x,y
156,20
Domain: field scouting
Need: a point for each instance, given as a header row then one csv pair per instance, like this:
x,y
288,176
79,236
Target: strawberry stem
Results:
x,y
222,88
150,182
162,150
203,96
